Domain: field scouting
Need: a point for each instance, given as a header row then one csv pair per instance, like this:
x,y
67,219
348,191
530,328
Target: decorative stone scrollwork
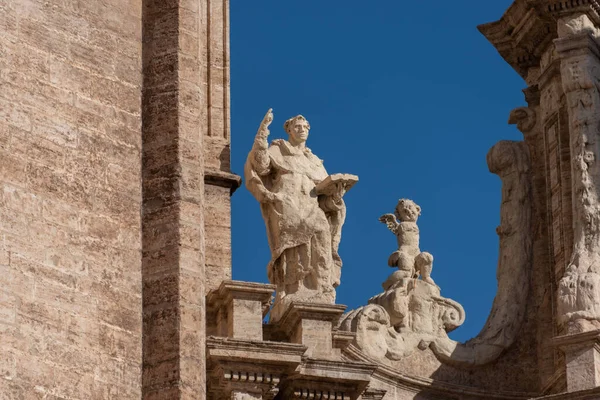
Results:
x,y
410,310
524,118
411,314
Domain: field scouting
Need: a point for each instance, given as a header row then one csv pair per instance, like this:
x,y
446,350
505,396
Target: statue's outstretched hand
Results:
x,y
390,221
263,130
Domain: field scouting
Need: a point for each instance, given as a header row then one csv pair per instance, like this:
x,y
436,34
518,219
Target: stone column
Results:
x,y
173,122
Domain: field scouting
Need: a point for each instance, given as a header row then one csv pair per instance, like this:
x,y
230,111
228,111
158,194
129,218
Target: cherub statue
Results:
x,y
409,259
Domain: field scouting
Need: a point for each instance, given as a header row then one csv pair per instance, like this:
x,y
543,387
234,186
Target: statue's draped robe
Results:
x,y
303,231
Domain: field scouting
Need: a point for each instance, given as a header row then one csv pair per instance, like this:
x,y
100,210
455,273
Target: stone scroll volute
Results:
x,y
411,315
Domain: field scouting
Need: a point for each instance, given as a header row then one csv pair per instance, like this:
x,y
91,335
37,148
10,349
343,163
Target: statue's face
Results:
x,y
298,131
408,211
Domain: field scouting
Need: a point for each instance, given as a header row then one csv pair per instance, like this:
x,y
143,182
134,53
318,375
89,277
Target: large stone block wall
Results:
x,y
70,195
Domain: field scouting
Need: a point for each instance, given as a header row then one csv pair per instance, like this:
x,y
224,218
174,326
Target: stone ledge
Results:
x,y
343,379
342,339
224,179
415,384
246,366
575,43
577,339
592,394
250,351
340,371
311,311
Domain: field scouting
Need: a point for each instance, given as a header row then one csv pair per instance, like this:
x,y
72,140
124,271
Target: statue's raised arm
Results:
x,y
259,156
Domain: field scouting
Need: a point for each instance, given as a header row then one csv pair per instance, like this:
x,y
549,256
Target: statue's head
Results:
x,y
407,210
297,129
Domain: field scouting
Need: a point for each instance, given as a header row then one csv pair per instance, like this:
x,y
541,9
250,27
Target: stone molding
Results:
x,y
312,311
577,339
577,43
329,379
268,368
415,384
223,179
592,394
249,366
528,27
373,394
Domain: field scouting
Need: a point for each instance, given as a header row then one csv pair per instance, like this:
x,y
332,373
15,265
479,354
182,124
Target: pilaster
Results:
x,y
582,358
219,182
174,98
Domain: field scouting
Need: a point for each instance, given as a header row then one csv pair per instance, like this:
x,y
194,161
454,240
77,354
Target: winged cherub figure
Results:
x,y
409,259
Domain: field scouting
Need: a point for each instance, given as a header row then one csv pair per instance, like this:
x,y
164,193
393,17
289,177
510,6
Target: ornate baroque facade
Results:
x,y
115,255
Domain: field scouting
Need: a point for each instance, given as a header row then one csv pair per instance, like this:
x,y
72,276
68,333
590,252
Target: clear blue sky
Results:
x,y
409,96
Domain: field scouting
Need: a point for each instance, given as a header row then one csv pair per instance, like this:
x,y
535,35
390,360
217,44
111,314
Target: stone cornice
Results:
x,y
576,44
299,311
559,8
338,379
528,27
272,353
592,394
521,35
585,338
249,366
223,179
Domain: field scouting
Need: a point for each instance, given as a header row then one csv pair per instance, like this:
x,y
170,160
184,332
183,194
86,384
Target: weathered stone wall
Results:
x,y
70,193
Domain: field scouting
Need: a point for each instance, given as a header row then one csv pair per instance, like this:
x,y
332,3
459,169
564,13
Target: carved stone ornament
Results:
x,y
579,297
410,310
411,314
304,212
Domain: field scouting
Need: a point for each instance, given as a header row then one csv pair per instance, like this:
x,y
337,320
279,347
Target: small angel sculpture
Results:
x,y
409,259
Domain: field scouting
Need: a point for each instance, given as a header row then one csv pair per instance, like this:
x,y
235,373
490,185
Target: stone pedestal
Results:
x,y
582,359
312,325
237,309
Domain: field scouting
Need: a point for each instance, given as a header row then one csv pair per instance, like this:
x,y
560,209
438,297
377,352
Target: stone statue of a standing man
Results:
x,y
303,211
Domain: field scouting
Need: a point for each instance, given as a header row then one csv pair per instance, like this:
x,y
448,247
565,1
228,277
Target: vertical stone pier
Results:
x,y
186,187
553,45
